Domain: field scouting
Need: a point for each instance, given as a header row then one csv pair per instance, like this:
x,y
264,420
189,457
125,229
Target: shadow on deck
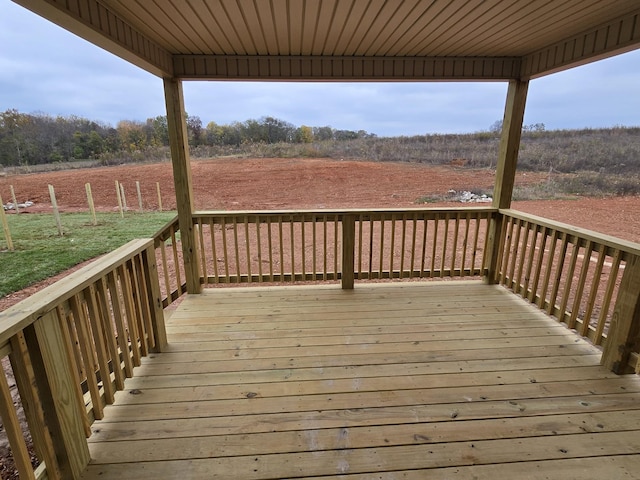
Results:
x,y
410,380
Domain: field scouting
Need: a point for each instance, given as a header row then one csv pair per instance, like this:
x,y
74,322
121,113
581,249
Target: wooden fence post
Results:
x,y
92,208
119,195
56,212
124,198
624,331
13,199
159,197
54,378
348,254
139,196
5,227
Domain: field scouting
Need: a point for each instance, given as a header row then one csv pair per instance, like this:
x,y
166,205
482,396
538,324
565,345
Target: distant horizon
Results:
x,y
205,122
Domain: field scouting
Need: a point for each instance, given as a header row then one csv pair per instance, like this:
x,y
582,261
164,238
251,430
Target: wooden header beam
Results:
x,y
326,68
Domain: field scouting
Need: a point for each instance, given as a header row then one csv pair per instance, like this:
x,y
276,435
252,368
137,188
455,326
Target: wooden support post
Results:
x,y
348,251
56,212
5,227
624,331
54,378
13,199
155,299
506,169
92,207
177,124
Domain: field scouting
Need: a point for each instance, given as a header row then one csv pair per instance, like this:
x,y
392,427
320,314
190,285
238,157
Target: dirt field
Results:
x,y
238,184
244,184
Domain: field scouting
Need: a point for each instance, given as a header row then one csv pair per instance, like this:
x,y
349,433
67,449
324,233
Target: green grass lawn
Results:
x,y
40,252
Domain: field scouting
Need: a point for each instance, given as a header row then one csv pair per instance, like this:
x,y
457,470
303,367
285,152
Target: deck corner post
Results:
x,y
506,168
624,331
179,144
155,300
348,251
54,379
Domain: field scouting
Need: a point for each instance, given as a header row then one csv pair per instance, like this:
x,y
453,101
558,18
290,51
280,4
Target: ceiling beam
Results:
x,y
618,36
92,21
325,68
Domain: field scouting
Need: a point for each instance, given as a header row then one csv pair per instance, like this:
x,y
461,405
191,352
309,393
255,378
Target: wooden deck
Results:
x,y
406,380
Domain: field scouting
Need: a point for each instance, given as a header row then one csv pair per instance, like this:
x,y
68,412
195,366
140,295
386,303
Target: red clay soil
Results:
x,y
267,184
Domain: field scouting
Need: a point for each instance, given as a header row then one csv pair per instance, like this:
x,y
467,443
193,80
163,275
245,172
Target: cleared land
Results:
x,y
264,184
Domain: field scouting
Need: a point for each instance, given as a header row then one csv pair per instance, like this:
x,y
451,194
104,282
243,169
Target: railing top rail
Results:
x,y
22,314
599,238
346,211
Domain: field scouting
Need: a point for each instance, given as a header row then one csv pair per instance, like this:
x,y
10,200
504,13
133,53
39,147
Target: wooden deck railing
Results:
x,y
70,347
584,279
257,247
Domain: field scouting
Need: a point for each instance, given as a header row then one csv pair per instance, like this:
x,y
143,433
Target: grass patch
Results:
x,y
40,252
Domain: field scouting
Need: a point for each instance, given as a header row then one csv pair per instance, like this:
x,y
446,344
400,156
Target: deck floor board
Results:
x,y
396,380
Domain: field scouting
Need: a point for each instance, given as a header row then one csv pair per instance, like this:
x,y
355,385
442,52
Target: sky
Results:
x,y
44,69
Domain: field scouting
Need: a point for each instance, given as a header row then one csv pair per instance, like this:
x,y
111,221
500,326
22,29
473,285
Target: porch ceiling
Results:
x,y
352,39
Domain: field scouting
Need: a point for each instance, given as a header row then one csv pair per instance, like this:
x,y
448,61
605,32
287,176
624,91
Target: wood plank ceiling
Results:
x,y
352,39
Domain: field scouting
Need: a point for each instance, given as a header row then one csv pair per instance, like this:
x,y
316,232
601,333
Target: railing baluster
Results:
x,y
436,221
476,234
259,247
203,254
445,238
608,295
236,249
586,262
360,242
270,247
595,284
314,243
514,258
371,228
225,249
114,294
465,242
558,276
569,280
529,262
247,242
548,269
88,354
539,263
214,254
454,247
392,247
414,233
137,307
425,223
325,221
130,315
176,262
381,266
292,244
99,343
303,248
281,240
403,244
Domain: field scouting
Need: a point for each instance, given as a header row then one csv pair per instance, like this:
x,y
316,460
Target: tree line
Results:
x,y
32,139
